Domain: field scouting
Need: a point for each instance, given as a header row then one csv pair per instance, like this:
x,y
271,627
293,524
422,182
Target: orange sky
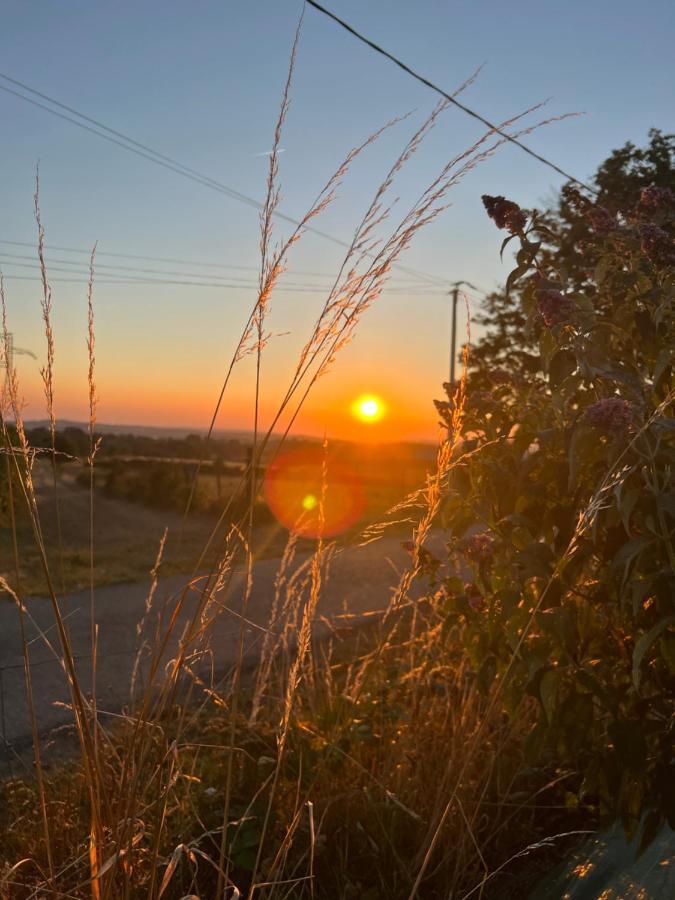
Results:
x,y
147,398
186,254
159,375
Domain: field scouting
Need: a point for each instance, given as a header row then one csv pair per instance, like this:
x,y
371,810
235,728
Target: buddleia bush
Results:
x,y
562,505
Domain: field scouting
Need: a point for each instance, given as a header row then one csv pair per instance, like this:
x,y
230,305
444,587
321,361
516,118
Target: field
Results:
x,y
127,537
128,526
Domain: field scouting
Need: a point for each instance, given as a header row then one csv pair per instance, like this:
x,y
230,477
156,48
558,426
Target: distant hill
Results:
x,y
154,431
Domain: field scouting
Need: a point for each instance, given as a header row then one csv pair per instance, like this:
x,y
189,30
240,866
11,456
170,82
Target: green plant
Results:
x,y
572,593
505,345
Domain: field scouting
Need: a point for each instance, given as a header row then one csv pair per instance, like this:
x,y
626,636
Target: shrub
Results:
x,y
570,477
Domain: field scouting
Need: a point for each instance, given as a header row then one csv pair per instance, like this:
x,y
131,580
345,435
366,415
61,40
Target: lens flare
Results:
x,y
299,500
368,408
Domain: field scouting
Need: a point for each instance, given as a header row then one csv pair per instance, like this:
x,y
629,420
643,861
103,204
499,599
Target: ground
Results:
x,y
358,582
127,535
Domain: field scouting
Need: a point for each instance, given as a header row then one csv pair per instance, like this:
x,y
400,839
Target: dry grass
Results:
x,y
365,768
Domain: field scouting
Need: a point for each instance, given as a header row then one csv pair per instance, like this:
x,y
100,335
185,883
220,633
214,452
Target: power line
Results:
x,y
112,279
140,272
162,259
448,97
127,143
147,271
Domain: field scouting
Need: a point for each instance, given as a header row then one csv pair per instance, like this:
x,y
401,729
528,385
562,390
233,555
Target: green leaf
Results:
x,y
667,646
629,743
663,360
560,622
645,643
547,345
548,691
504,245
245,859
486,675
515,275
603,267
644,324
629,552
584,442
537,560
666,502
664,424
588,680
562,365
534,743
627,505
521,537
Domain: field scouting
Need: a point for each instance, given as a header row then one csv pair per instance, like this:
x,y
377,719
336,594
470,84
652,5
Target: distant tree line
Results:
x,y
74,442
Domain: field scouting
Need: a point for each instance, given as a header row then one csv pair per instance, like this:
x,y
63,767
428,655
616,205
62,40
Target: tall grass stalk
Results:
x,y
302,651
271,266
93,447
47,371
23,459
16,596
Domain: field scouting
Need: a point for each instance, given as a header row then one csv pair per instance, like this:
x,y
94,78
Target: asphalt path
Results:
x,y
359,581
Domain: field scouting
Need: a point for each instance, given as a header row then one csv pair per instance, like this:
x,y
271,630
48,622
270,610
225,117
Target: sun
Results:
x,y
368,408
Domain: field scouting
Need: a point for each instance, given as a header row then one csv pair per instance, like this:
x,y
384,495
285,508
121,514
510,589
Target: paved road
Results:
x,y
360,580
607,865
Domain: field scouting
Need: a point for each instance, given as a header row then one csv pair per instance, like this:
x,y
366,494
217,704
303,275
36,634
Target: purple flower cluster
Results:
x,y
601,220
658,245
498,376
576,200
555,308
611,416
480,397
474,597
505,213
654,199
426,559
478,547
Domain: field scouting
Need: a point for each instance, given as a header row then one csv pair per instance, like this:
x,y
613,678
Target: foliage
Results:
x,y
73,441
568,245
572,593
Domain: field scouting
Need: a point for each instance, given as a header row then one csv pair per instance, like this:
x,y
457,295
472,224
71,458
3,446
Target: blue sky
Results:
x,y
201,82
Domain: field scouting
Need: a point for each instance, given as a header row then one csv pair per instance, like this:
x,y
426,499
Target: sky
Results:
x,y
201,83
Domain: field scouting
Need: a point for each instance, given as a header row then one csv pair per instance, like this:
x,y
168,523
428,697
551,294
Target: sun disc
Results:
x,y
368,408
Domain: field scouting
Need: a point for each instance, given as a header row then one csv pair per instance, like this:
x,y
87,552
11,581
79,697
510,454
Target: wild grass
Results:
x,y
365,766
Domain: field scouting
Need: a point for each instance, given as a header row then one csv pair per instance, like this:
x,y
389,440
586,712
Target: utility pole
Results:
x,y
454,293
